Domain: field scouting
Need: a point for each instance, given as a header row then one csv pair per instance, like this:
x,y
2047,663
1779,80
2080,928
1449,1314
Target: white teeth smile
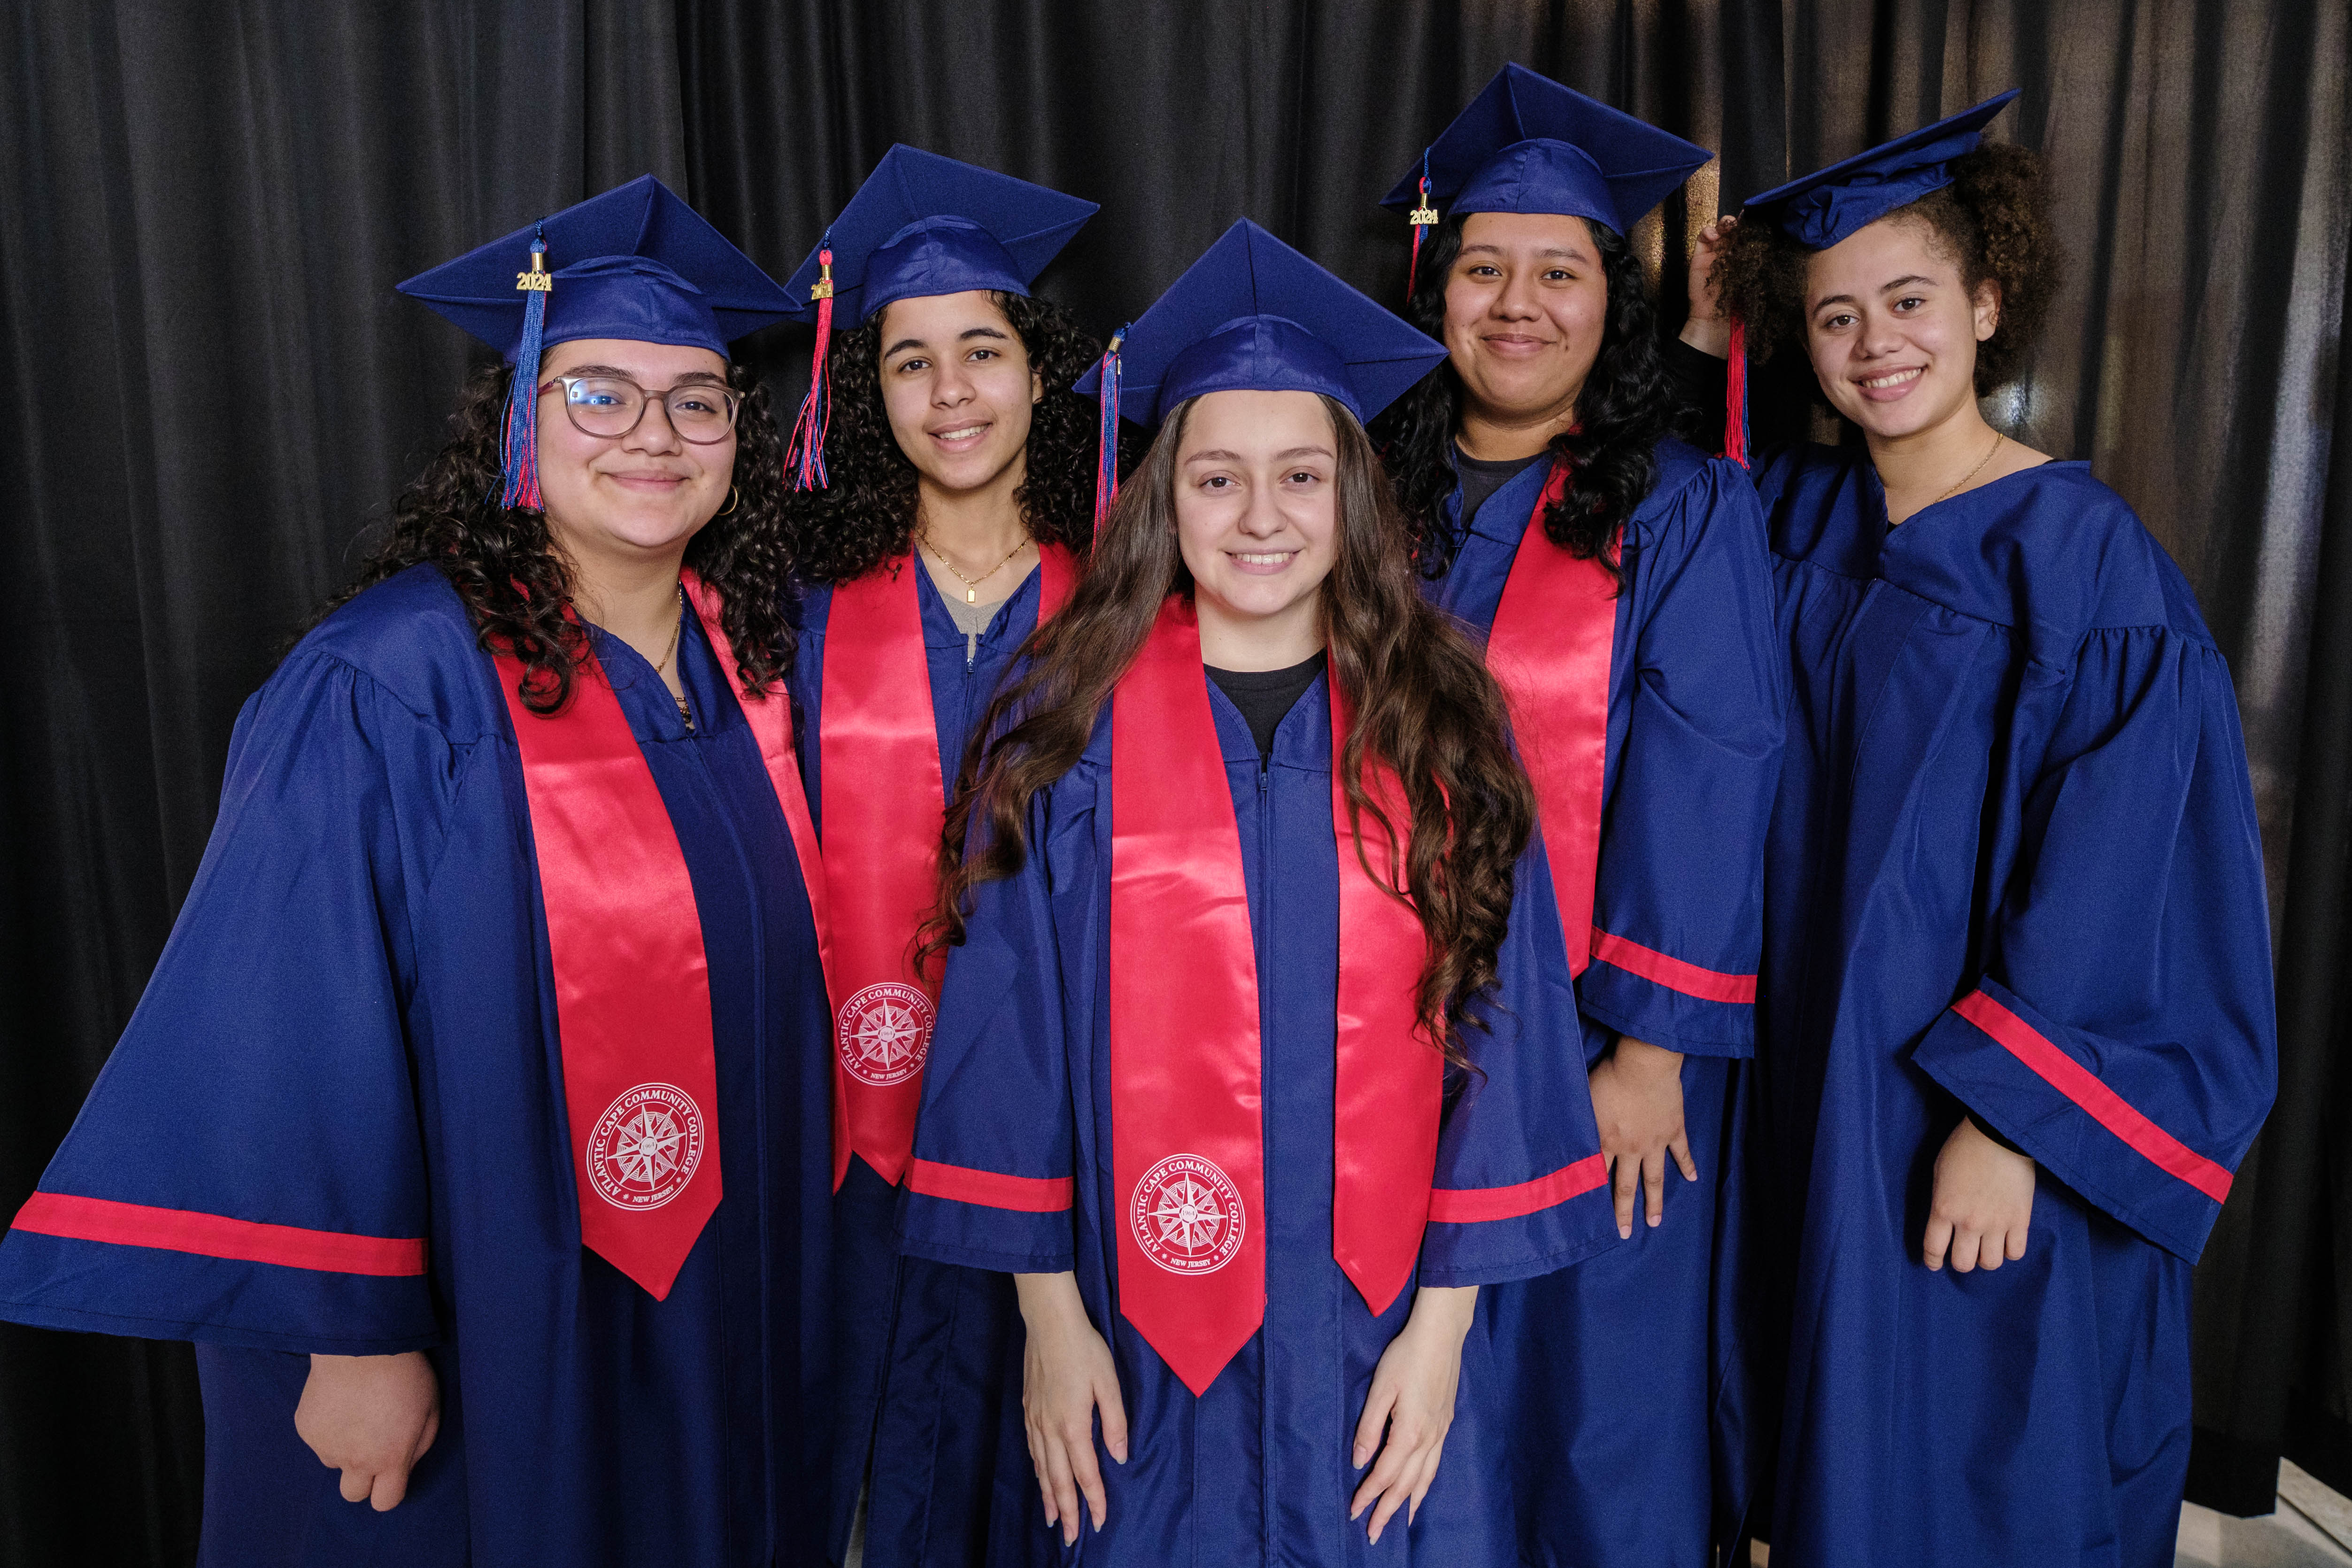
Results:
x,y
1272,559
1896,378
959,435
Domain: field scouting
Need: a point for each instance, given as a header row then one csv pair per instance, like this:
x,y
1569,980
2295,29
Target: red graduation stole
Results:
x,y
1188,1140
632,982
885,802
1549,649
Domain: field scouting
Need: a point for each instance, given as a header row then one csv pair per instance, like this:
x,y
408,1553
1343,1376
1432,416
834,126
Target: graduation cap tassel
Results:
x,y
804,458
518,442
1425,219
1734,396
1106,449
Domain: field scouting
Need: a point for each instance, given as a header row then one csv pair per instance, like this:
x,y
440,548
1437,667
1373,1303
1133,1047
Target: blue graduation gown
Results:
x,y
920,1346
1636,1424
2015,795
1255,1470
353,1030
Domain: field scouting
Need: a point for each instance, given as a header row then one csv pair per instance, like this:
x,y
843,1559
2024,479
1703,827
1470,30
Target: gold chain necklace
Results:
x,y
1996,439
972,585
677,630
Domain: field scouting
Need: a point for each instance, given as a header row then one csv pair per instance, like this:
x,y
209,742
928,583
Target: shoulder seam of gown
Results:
x,y
423,720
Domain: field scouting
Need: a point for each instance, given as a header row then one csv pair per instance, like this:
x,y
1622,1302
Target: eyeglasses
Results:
x,y
610,406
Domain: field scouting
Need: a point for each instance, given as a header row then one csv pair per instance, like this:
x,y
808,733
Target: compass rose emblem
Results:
x,y
883,1033
645,1146
1187,1215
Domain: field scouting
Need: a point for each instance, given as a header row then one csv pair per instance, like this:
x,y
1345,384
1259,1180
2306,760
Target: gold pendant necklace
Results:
x,y
972,585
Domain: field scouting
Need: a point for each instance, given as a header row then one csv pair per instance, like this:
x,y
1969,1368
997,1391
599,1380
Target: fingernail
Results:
x,y
1655,1218
1624,1233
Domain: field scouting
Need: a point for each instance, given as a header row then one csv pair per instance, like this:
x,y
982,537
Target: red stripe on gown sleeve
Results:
x,y
990,1189
1471,1205
2079,1084
218,1235
1706,985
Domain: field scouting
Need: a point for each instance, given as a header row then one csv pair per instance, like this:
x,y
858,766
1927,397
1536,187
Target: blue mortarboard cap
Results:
x,y
1526,144
1827,206
635,263
924,225
1253,315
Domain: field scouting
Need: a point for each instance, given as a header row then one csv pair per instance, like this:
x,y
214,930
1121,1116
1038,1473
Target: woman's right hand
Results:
x,y
1708,329
1067,1375
372,1418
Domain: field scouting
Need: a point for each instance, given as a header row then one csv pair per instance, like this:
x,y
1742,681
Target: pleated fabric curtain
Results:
x,y
215,398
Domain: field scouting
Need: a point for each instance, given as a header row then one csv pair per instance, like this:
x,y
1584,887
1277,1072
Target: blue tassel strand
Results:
x,y
1107,447
518,446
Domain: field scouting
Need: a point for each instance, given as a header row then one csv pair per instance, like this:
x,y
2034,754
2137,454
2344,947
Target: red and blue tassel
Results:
x,y
1425,219
1107,437
1734,396
519,442
804,458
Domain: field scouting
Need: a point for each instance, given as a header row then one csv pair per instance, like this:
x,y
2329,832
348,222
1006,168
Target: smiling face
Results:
x,y
1257,521
1892,331
958,387
627,499
1525,305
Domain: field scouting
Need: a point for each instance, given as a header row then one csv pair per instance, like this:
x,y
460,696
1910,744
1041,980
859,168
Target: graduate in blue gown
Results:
x,y
2018,1023
474,1122
1540,457
1183,1086
949,500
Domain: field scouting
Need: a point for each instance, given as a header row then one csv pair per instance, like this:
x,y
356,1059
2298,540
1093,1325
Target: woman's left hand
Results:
x,y
1413,1398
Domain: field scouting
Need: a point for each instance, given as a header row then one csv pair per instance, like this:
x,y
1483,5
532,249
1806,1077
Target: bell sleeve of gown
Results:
x,y
990,1184
248,1169
2122,1032
1520,1188
1678,918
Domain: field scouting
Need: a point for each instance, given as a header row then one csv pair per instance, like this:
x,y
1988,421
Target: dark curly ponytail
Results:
x,y
1627,406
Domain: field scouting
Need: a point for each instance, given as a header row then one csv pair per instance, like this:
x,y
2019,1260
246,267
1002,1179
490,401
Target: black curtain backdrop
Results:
x,y
212,395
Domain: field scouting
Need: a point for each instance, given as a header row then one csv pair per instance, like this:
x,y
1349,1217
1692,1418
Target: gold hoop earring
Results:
x,y
731,498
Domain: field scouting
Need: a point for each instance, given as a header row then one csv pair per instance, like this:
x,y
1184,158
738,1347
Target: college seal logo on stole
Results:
x,y
883,1033
645,1147
1188,1215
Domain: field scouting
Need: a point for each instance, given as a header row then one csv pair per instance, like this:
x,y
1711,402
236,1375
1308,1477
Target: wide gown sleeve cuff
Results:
x,y
97,1266
2036,1082
1487,1236
1667,1001
985,1219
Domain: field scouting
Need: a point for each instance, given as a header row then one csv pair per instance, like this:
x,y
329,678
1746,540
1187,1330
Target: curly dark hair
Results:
x,y
1627,406
1424,701
514,579
1993,220
866,516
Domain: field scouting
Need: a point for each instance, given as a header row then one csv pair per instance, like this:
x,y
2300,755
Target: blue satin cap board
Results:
x,y
1253,315
635,263
923,225
1526,144
1828,204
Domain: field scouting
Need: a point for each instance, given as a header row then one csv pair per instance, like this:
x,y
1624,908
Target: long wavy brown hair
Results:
x,y
1419,693
514,579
